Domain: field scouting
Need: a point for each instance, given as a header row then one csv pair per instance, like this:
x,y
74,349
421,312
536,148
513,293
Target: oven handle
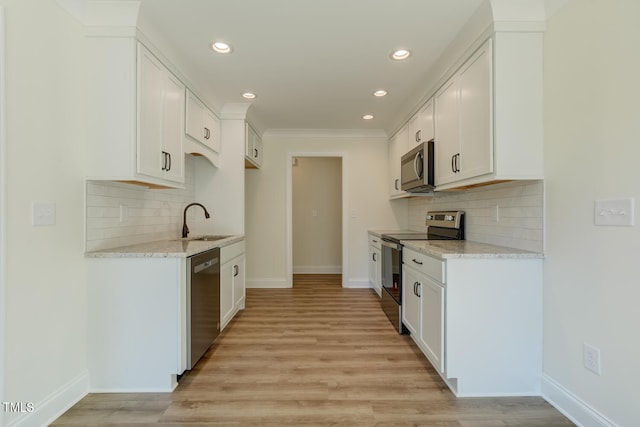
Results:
x,y
391,245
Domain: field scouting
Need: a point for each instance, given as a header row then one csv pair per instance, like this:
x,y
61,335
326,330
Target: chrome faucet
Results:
x,y
185,229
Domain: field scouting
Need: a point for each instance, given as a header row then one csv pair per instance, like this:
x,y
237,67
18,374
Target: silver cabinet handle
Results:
x,y
395,184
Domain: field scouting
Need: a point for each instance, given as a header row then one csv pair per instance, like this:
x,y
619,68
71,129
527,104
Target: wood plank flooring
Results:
x,y
314,355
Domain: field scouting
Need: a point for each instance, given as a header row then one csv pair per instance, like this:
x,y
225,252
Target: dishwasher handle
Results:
x,y
205,265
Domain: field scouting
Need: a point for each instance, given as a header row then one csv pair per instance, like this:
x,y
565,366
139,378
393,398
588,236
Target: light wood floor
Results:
x,y
314,355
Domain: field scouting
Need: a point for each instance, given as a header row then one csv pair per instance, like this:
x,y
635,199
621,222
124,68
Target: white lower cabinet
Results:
x,y
136,323
477,320
232,285
375,264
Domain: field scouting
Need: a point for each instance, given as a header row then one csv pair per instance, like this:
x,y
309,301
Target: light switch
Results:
x,y
43,214
314,213
615,212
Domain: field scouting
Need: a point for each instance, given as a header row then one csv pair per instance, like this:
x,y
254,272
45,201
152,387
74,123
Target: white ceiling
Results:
x,y
313,63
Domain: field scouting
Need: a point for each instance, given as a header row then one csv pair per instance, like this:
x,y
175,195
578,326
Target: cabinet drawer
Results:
x,y
227,253
374,241
424,263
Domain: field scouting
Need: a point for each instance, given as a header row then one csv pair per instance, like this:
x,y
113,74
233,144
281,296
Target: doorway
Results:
x,y
316,218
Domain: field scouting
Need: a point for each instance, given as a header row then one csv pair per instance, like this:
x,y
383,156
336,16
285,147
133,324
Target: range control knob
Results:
x,y
448,217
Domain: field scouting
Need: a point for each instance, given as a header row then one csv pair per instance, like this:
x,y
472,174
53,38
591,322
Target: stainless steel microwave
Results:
x,y
417,170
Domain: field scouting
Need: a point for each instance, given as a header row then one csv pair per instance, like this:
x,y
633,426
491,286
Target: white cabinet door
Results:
x,y
238,282
172,125
194,117
421,126
375,269
447,132
398,146
411,288
431,336
211,131
463,122
151,159
160,115
226,293
253,148
201,124
476,143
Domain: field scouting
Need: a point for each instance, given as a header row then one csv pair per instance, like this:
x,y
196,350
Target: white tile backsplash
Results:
x,y
520,213
153,214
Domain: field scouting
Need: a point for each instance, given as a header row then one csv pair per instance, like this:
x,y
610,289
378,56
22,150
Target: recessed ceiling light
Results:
x,y
221,47
380,93
249,95
400,54
367,117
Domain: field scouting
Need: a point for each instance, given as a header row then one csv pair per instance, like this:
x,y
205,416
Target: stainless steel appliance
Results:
x,y
417,170
442,225
203,304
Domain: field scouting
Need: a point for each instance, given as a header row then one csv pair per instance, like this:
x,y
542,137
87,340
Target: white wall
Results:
x,y
266,200
46,356
317,215
592,147
520,209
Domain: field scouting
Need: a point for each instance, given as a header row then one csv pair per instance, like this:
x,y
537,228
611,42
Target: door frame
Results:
x,y
345,209
3,209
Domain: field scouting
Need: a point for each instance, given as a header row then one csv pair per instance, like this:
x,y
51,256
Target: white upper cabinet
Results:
x,y
421,125
488,115
398,146
201,123
135,114
253,151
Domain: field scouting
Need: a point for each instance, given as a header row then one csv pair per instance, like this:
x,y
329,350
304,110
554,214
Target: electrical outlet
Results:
x,y
591,358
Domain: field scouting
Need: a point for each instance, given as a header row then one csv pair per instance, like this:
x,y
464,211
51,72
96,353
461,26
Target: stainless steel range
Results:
x,y
442,225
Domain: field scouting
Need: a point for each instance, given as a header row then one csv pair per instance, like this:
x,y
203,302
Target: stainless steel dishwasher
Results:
x,y
203,303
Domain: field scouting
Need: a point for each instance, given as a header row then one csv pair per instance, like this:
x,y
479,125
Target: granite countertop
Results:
x,y
450,249
178,248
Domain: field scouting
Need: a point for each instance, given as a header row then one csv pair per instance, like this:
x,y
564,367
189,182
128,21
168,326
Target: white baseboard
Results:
x,y
357,284
571,405
267,283
56,404
317,269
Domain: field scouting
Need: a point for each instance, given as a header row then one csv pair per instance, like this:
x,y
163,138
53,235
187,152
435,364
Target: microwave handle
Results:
x,y
418,165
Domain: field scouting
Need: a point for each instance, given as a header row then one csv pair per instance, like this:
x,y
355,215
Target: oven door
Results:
x,y
391,298
392,269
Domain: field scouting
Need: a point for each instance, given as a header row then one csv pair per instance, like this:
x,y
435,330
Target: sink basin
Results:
x,y
210,238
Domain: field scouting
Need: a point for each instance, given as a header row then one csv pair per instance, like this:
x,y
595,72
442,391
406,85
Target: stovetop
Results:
x,y
442,225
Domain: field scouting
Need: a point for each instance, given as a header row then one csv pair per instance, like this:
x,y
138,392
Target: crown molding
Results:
x,y
326,133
